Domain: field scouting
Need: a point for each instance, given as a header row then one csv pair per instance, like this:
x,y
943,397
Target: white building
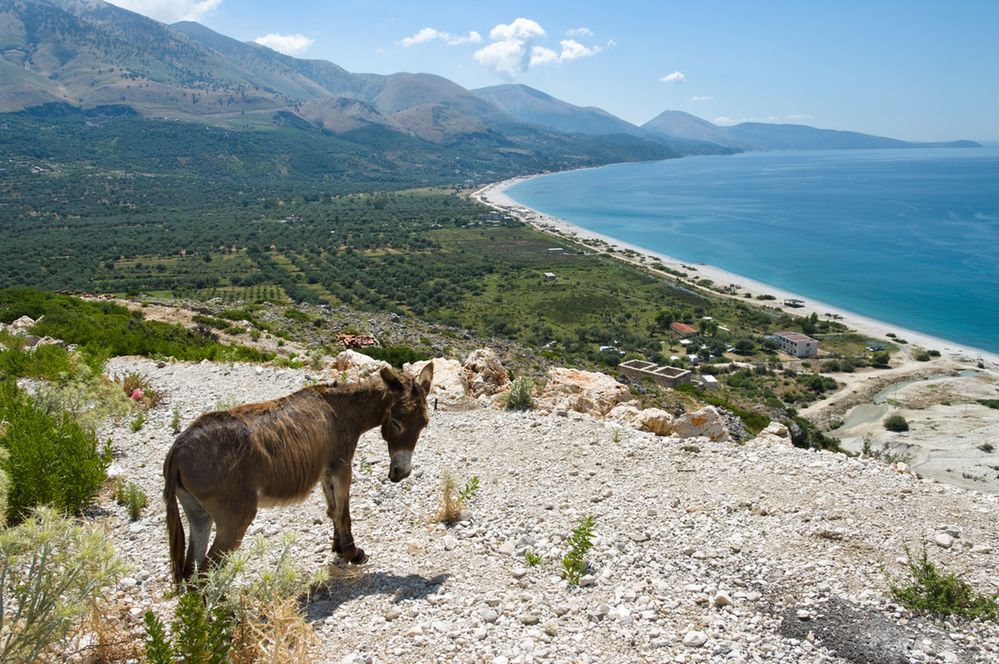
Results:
x,y
797,344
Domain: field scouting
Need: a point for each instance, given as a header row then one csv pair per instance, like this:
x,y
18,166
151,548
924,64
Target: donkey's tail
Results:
x,y
175,527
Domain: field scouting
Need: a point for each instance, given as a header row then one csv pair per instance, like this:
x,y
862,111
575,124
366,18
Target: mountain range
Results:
x,y
89,54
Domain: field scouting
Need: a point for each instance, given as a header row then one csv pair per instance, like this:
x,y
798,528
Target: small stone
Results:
x,y
638,537
943,540
587,580
723,599
520,572
981,548
415,630
488,615
450,542
804,614
391,614
695,639
530,619
508,548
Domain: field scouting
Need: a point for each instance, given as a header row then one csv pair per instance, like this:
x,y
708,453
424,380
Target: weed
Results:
x,y
580,542
452,500
53,571
991,403
233,620
988,448
616,437
131,496
137,388
175,420
519,396
138,422
930,591
532,559
884,453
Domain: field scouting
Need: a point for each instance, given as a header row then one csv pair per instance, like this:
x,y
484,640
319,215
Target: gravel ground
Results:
x,y
702,551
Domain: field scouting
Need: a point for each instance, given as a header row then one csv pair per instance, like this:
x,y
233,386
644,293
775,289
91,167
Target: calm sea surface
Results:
x,y
909,237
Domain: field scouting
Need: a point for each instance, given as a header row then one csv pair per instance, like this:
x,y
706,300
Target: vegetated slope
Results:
x,y
769,136
534,106
712,543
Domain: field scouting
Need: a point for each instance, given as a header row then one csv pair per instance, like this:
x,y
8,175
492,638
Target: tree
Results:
x,y
810,324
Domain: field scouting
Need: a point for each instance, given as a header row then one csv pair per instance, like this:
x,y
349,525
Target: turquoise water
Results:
x,y
910,237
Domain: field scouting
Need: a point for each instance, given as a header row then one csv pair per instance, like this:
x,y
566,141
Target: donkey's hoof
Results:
x,y
359,557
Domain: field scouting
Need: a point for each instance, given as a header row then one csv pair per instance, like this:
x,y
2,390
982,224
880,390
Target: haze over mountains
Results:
x,y
87,54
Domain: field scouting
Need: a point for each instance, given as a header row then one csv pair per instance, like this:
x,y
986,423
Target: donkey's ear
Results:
x,y
426,377
391,379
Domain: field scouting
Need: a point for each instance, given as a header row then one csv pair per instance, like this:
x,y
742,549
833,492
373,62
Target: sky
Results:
x,y
913,69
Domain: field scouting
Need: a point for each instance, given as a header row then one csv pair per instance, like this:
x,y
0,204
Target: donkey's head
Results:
x,y
405,418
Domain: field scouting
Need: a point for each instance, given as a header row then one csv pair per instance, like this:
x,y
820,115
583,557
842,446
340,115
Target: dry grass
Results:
x,y
131,382
278,635
105,638
450,507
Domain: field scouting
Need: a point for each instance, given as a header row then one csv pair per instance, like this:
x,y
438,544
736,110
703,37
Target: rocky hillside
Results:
x,y
703,551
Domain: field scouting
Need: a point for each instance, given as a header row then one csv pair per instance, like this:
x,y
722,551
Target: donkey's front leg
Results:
x,y
336,486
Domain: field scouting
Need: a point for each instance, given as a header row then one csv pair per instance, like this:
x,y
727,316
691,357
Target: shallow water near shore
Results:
x,y
906,236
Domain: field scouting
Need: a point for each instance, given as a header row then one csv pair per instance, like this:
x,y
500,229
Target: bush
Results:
x,y
49,361
51,459
234,620
520,394
931,592
395,355
896,423
53,571
452,500
580,542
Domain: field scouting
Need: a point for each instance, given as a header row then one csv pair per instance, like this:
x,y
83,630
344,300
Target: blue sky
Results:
x,y
919,69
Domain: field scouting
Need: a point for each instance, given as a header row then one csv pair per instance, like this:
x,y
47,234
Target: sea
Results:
x,y
909,237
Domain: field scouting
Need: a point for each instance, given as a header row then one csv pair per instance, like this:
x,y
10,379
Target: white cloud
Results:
x,y
722,120
799,117
514,49
430,34
697,99
579,32
170,11
572,50
287,44
522,29
675,77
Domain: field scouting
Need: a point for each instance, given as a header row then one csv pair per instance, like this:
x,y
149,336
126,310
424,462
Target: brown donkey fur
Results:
x,y
228,463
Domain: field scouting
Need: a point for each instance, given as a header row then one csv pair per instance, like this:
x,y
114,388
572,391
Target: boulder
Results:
x,y
351,366
484,374
447,385
706,422
775,434
653,420
582,391
21,325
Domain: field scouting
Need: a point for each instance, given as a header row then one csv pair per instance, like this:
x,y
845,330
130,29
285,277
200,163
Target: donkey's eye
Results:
x,y
397,425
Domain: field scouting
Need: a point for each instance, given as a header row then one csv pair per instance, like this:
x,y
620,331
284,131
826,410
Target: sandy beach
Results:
x,y
496,196
953,440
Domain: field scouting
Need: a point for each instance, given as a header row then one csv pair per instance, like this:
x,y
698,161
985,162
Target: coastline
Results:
x,y
495,196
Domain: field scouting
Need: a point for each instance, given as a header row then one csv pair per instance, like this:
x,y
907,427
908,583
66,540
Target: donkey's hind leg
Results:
x,y
230,526
200,522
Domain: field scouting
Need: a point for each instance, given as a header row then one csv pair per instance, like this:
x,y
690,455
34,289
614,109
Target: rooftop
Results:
x,y
796,337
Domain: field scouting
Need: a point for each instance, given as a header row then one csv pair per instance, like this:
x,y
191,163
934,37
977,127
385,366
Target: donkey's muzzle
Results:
x,y
400,466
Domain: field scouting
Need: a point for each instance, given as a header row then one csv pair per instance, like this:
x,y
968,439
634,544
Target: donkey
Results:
x,y
227,464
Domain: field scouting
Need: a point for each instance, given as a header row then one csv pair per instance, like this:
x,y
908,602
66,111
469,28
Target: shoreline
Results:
x,y
495,196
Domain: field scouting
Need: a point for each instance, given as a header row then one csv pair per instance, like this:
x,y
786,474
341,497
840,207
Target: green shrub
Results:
x,y
991,403
532,559
580,542
175,420
49,361
896,422
51,460
520,394
930,591
201,635
53,570
105,329
138,422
